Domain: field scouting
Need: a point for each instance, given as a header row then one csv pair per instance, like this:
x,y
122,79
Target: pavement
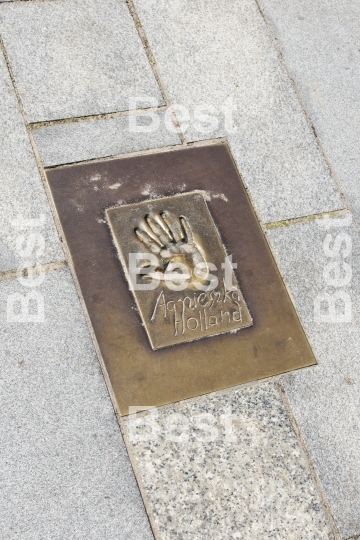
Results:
x,y
274,459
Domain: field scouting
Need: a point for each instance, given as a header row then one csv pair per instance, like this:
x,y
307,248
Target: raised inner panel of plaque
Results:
x,y
178,270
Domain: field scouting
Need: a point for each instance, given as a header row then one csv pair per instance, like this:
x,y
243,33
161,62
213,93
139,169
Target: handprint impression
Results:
x,y
172,241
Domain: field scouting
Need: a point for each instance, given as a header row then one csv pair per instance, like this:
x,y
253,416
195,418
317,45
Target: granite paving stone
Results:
x,y
74,58
220,54
65,472
320,44
227,465
22,195
79,141
325,399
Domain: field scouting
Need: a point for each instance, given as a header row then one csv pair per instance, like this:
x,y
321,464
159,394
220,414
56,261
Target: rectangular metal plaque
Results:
x,y
188,207
178,233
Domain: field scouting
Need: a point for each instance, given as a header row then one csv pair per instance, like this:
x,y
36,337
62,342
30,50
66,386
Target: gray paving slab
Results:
x,y
22,196
326,399
211,52
74,58
320,44
227,465
79,141
65,472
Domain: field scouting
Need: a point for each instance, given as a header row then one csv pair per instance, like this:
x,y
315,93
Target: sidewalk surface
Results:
x,y
75,77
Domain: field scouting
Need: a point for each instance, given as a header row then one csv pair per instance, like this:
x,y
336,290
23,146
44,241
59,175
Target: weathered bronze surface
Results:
x,y
175,312
140,375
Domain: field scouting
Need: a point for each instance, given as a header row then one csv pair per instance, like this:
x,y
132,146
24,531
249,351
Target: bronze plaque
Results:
x,y
189,209
181,296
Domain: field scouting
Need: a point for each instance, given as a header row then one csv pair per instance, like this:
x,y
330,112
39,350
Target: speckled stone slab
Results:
x,y
212,54
325,399
79,141
75,58
64,468
212,475
22,195
320,44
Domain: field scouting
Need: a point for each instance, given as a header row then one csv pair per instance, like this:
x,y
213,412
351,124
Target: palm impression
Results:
x,y
172,241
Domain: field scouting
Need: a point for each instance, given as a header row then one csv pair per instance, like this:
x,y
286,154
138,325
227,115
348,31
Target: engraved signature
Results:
x,y
199,312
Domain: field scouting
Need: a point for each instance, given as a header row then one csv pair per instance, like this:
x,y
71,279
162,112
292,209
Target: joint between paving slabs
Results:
x,y
93,117
318,485
33,270
153,64
22,1
305,219
146,46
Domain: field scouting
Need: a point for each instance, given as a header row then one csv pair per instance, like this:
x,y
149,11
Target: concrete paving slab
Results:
x,y
22,195
64,468
80,141
325,399
75,58
227,465
320,44
220,54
